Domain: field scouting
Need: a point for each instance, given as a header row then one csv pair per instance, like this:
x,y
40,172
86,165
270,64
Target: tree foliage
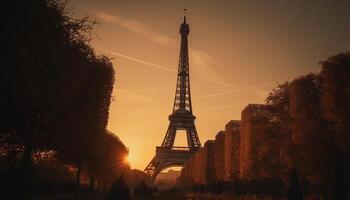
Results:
x,y
56,91
305,124
336,97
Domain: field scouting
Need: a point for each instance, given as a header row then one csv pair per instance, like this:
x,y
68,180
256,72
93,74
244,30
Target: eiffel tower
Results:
x,y
182,118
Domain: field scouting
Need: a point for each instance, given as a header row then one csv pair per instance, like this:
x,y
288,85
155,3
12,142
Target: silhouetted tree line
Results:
x,y
55,96
298,142
143,189
262,187
119,190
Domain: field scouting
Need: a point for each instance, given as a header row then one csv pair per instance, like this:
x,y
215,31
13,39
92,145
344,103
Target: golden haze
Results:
x,y
238,52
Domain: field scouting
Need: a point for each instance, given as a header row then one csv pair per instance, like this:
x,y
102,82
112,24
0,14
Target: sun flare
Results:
x,y
126,159
129,159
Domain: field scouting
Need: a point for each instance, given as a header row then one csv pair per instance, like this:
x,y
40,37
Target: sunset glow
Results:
x,y
130,159
180,99
126,160
238,52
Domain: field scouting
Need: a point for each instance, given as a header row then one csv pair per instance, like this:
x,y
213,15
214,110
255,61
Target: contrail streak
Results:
x,y
225,107
136,96
169,69
234,91
216,82
141,61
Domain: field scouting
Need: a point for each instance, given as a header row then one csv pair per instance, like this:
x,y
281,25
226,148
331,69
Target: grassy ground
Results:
x,y
85,196
100,196
162,196
157,196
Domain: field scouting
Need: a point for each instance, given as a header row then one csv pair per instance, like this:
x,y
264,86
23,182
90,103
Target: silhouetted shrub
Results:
x,y
295,192
142,189
174,189
232,150
119,190
340,191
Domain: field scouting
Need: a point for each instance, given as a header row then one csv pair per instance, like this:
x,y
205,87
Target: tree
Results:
x,y
336,103
294,192
261,143
56,91
340,191
110,162
142,189
119,190
279,107
90,119
313,143
306,138
336,98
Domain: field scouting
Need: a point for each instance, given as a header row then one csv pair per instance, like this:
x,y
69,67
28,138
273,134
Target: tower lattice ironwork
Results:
x,y
182,118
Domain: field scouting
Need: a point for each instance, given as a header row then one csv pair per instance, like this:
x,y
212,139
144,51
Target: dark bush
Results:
x,y
142,189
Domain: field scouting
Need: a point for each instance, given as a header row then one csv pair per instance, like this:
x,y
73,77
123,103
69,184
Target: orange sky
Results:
x,y
238,51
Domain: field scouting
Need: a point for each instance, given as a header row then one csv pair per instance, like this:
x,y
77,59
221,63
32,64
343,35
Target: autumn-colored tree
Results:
x,y
296,109
311,137
261,144
279,107
232,150
336,104
336,97
306,123
219,161
279,103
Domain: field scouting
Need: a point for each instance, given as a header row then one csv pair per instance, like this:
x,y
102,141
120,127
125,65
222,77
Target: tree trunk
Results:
x,y
25,171
77,184
340,191
92,183
97,185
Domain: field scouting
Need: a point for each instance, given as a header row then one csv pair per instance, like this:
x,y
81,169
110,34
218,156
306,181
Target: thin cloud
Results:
x,y
168,68
136,96
201,62
224,107
148,112
235,91
137,27
141,61
215,81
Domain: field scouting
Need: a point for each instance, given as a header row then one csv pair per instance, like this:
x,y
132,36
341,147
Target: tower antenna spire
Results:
x,y
185,15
